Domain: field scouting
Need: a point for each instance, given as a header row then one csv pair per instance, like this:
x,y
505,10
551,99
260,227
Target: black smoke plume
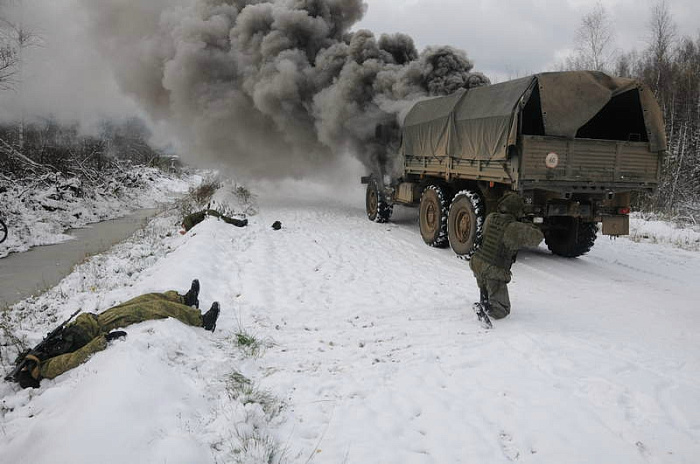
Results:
x,y
276,87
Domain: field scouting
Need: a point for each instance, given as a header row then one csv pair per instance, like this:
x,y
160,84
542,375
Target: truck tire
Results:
x,y
378,209
465,223
571,238
433,216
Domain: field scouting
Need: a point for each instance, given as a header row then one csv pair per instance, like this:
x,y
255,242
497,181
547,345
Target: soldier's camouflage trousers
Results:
x,y
86,335
493,282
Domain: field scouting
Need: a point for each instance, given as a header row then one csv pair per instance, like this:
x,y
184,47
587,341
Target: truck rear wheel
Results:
x,y
465,223
378,209
433,216
571,238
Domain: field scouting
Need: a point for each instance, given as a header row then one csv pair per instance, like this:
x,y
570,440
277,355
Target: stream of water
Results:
x,y
32,272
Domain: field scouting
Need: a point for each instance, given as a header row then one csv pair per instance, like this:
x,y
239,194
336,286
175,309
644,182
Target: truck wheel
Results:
x,y
433,216
378,209
465,223
571,238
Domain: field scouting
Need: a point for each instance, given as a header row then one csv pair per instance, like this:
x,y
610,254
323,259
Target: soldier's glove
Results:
x,y
28,377
114,335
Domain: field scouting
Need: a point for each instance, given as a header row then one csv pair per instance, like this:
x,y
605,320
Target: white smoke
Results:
x,y
272,88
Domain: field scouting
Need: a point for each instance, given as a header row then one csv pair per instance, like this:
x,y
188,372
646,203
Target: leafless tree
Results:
x,y
662,37
14,37
594,42
9,56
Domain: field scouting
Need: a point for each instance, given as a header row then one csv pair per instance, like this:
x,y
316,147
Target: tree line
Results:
x,y
63,147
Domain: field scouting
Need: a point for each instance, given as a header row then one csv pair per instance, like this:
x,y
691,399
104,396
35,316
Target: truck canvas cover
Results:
x,y
481,123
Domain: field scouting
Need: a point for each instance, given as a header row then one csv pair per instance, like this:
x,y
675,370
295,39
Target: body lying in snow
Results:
x,y
90,333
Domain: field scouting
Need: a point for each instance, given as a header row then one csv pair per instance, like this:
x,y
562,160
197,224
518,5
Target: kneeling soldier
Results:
x,y
503,237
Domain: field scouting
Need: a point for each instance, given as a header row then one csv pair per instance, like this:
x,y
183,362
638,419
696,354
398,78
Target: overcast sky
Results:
x,y
510,38
505,39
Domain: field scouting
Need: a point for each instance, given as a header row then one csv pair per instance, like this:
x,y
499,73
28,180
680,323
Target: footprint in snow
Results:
x,y
509,450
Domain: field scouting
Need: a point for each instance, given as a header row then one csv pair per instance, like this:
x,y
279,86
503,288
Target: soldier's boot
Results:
x,y
484,300
210,317
192,294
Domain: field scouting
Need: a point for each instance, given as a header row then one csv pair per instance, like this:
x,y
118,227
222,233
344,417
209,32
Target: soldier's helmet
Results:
x,y
513,204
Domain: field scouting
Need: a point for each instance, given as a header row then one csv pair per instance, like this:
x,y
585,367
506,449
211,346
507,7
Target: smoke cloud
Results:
x,y
272,88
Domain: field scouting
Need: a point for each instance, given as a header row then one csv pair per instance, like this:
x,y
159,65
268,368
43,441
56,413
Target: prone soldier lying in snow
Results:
x,y
504,235
90,333
195,218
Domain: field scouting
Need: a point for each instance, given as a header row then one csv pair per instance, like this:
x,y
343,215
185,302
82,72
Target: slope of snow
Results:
x,y
40,213
371,351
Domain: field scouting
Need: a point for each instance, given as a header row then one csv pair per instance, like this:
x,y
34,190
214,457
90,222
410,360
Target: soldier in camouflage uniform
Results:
x,y
503,236
195,218
90,333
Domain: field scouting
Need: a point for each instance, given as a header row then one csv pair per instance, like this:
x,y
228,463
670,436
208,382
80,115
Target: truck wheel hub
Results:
x,y
431,216
373,201
464,226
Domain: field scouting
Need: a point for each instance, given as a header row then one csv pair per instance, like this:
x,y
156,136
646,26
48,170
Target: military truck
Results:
x,y
575,145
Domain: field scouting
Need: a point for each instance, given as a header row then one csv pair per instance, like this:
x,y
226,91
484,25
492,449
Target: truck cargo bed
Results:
x,y
583,161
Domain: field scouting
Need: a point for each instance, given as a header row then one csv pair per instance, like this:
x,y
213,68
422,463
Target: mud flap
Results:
x,y
616,225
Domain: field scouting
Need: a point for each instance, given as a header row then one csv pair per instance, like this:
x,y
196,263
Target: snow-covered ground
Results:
x,y
39,212
652,230
365,350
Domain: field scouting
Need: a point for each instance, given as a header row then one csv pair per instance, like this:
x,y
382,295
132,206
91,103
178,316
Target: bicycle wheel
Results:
x,y
3,231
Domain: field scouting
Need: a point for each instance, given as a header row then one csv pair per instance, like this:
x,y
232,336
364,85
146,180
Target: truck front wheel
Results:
x,y
570,237
378,209
465,223
433,216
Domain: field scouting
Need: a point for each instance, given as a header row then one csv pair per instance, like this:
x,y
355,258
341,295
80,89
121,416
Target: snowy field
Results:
x,y
345,341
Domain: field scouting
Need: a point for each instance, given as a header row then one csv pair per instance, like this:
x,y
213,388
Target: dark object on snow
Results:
x,y
277,225
3,231
192,294
115,335
28,362
24,378
69,346
481,313
210,317
195,218
504,235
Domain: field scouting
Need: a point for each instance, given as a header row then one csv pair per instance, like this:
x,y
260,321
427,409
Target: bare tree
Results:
x,y
14,38
594,42
9,55
662,37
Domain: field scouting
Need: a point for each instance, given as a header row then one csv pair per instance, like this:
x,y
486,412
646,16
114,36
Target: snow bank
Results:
x,y
663,232
168,392
38,213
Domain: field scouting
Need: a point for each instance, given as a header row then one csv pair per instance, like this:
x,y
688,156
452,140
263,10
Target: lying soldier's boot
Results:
x,y
115,334
210,317
192,294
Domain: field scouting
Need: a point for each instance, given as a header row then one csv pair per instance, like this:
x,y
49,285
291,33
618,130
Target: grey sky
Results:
x,y
508,38
505,38
65,76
